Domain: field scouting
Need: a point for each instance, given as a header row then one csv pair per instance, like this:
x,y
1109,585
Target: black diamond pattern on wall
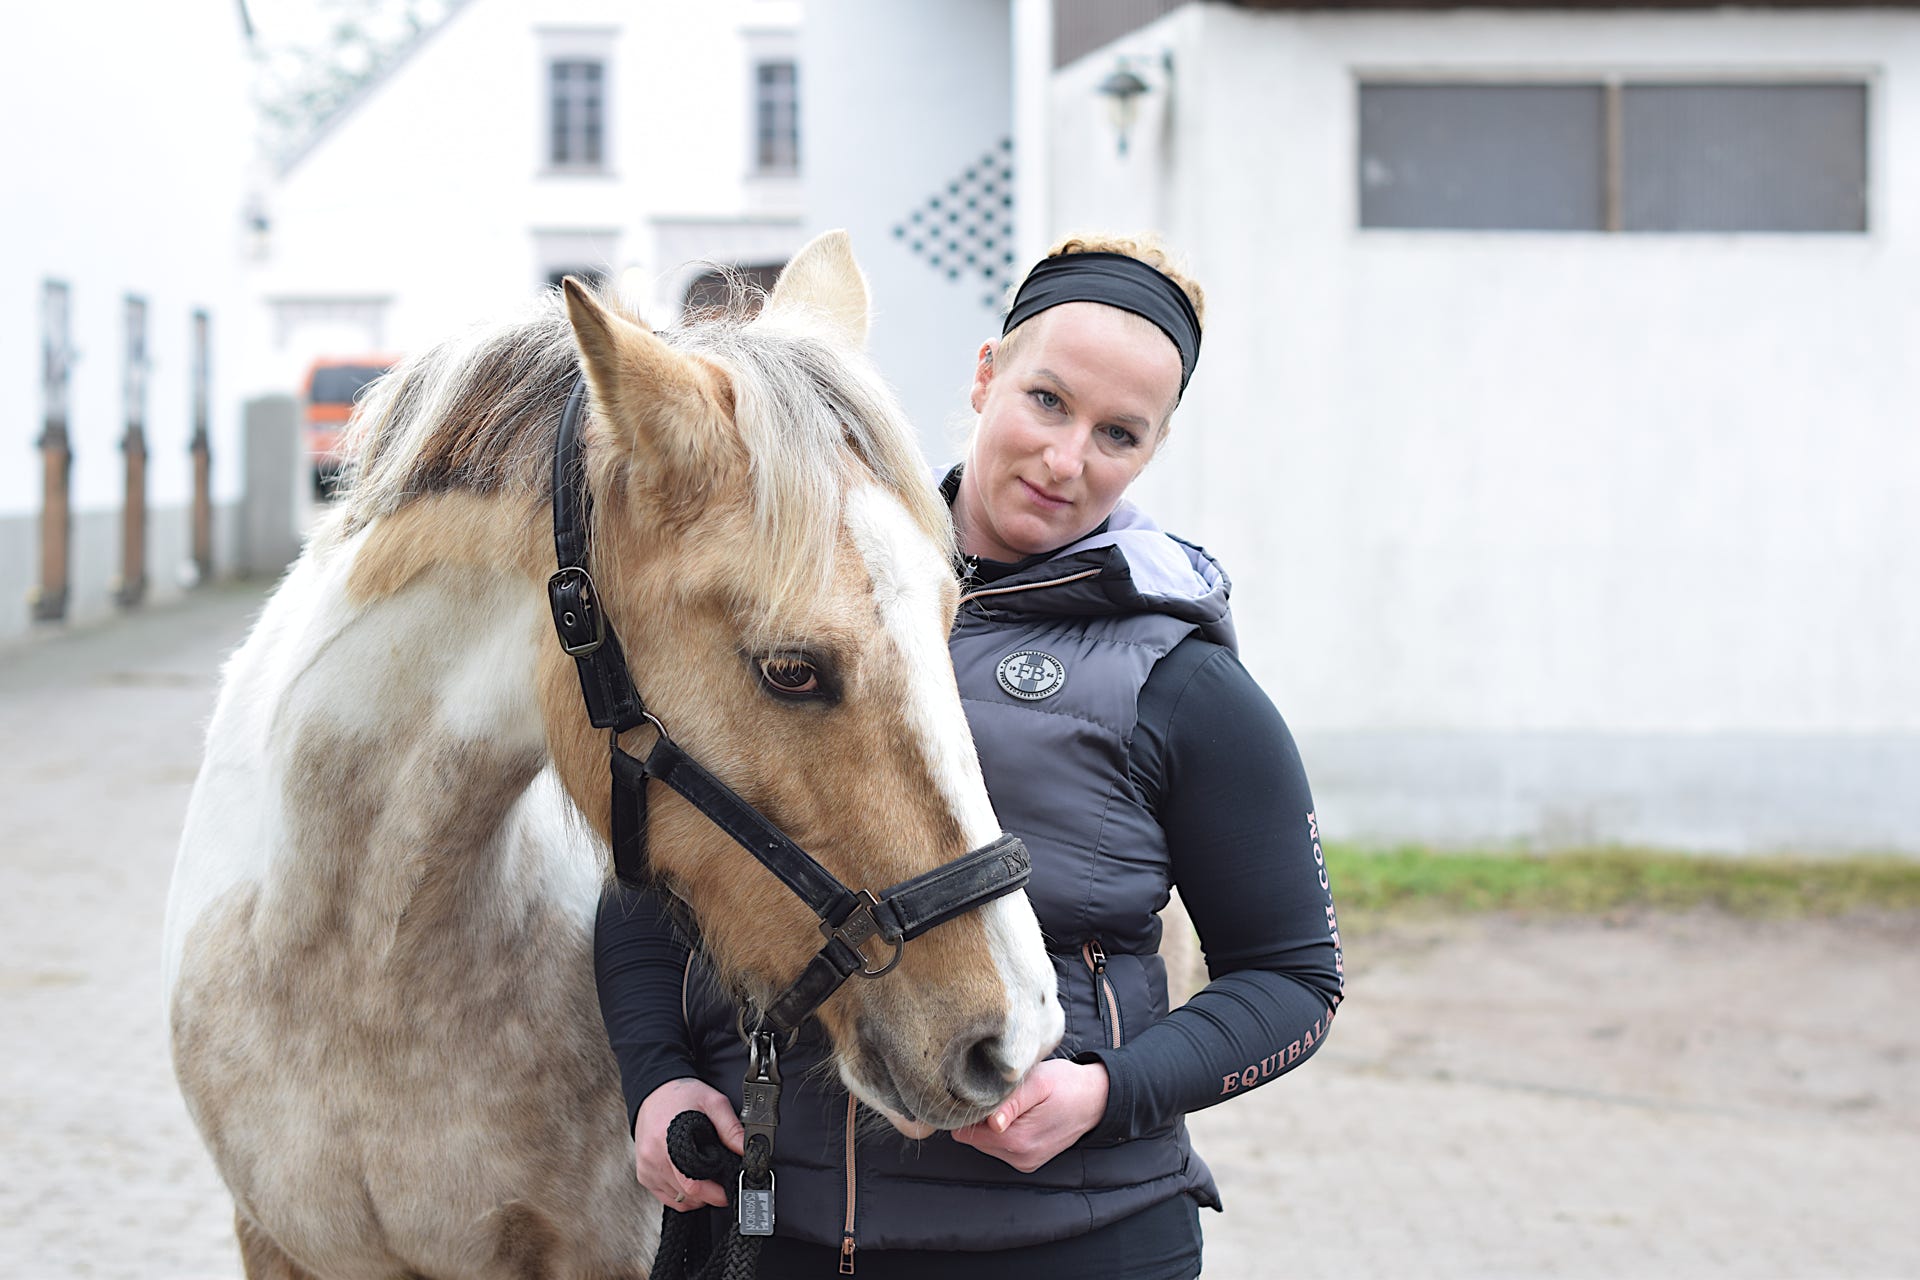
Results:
x,y
964,230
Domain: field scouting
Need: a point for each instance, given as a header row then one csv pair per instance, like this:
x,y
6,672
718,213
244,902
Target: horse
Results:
x,y
378,951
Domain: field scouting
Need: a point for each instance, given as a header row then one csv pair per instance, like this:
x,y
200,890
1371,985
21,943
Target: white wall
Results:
x,y
1614,536
896,101
125,160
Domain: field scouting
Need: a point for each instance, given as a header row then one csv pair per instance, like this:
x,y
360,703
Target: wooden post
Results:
x,y
132,587
133,519
56,456
56,522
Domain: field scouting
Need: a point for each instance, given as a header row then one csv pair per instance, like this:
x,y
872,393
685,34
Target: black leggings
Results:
x,y
1160,1243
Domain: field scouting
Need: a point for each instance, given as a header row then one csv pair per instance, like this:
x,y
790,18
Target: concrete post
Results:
x,y
274,468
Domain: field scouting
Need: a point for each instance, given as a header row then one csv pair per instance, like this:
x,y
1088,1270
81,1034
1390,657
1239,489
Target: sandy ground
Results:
x,y
1642,1096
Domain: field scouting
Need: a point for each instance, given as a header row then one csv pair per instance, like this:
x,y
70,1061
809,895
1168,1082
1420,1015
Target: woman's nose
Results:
x,y
1066,456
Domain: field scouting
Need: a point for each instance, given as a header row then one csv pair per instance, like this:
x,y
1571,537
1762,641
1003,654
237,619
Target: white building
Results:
x,y
521,141
120,304
1555,415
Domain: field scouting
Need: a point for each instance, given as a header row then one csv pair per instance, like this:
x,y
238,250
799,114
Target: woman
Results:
x,y
1122,740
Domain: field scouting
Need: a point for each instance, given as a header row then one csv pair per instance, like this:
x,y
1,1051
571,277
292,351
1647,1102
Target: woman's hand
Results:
x,y
1053,1108
651,1163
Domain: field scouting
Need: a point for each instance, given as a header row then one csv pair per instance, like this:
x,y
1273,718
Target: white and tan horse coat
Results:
x,y
379,941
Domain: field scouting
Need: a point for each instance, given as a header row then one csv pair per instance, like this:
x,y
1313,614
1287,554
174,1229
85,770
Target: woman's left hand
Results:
x,y
1054,1106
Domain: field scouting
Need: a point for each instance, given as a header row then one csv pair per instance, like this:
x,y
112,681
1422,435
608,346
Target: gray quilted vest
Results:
x,y
1050,663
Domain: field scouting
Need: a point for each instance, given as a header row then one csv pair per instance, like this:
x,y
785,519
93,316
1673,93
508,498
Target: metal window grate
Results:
x,y
965,229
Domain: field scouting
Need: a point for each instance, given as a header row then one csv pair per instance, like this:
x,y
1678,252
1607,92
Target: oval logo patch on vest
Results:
x,y
1031,674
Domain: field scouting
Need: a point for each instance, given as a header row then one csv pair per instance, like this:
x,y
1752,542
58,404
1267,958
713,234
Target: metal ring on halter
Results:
x,y
899,946
613,735
786,1040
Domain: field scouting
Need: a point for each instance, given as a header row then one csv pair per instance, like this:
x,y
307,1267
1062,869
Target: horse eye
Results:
x,y
790,675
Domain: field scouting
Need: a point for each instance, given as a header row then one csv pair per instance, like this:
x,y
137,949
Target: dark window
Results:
x,y
342,383
56,351
1638,156
776,96
137,363
578,105
585,275
1482,157
202,371
1749,157
734,289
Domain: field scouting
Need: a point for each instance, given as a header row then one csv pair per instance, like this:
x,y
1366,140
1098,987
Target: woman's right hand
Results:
x,y
652,1165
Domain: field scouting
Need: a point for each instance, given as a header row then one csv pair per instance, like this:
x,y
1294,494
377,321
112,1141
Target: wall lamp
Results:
x,y
1123,88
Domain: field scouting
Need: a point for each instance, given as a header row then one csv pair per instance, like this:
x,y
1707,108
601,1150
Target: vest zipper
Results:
x,y
1109,1009
1028,586
846,1231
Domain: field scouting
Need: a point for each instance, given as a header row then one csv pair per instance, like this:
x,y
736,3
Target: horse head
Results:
x,y
769,553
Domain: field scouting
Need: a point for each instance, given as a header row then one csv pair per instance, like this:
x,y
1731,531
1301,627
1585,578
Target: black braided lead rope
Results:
x,y
686,1239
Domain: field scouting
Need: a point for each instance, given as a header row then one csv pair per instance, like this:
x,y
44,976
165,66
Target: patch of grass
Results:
x,y
1414,880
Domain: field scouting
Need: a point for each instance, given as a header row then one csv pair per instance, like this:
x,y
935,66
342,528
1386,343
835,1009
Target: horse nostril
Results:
x,y
977,1067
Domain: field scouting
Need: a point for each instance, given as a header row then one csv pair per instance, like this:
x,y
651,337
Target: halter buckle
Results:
x,y
577,615
861,930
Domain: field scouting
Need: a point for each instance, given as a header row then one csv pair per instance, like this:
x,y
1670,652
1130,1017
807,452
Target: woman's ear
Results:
x,y
982,374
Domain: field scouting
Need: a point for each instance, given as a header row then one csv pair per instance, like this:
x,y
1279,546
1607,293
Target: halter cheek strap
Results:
x,y
612,701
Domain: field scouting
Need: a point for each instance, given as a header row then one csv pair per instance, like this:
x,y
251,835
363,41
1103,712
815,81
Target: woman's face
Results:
x,y
1067,420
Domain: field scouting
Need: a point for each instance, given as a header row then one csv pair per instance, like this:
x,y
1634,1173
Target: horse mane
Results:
x,y
480,412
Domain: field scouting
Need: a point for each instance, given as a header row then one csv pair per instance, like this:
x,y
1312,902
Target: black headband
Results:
x,y
1117,281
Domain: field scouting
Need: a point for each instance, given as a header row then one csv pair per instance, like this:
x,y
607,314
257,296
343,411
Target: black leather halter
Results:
x,y
865,931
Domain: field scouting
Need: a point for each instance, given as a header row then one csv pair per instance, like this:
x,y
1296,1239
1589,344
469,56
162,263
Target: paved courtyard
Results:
x,y
1639,1096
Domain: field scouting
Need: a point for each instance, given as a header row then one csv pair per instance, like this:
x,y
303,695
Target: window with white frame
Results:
x,y
776,113
1627,155
576,105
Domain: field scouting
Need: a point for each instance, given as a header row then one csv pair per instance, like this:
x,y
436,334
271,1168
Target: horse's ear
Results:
x,y
824,280
669,407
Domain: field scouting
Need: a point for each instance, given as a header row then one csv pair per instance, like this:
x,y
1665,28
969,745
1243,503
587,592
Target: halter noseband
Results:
x,y
865,931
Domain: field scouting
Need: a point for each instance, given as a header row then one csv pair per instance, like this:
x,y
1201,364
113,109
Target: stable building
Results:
x,y
1555,413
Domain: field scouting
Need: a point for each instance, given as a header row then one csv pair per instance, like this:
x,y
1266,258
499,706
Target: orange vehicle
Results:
x,y
332,387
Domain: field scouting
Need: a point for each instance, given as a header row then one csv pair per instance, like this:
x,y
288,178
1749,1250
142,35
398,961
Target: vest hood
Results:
x,y
1145,569
1138,568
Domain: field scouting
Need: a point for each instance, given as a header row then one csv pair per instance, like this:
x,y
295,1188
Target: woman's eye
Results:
x,y
790,675
1122,436
1047,400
